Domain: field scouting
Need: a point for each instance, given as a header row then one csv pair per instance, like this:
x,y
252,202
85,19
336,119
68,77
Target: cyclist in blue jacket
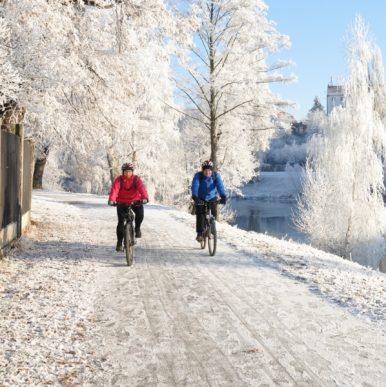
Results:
x,y
206,185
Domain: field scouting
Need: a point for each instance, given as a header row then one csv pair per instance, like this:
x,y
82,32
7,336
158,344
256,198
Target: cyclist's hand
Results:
x,y
223,200
111,203
195,198
145,201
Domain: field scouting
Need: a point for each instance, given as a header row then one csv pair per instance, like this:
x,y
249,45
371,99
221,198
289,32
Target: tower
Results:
x,y
335,97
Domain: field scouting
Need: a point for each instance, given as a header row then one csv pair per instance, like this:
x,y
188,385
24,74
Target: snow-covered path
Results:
x,y
75,314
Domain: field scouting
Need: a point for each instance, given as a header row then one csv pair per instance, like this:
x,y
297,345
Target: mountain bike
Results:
x,y
209,233
128,230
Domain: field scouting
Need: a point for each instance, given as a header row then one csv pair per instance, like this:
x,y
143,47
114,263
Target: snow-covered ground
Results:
x,y
275,185
263,311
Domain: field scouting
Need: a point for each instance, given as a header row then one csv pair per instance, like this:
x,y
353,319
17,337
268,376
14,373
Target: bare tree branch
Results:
x,y
200,86
200,57
70,102
204,44
99,108
233,108
194,102
186,114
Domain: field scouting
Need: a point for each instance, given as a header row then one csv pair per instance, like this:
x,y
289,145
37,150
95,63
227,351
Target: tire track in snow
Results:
x,y
170,241
313,380
201,348
341,371
165,332
242,298
227,292
171,277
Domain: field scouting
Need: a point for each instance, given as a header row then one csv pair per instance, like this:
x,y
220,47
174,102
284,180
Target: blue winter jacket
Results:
x,y
205,188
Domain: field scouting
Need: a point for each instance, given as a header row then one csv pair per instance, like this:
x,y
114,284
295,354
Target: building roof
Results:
x,y
334,90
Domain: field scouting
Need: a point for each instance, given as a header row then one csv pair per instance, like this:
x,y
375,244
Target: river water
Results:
x,y
273,217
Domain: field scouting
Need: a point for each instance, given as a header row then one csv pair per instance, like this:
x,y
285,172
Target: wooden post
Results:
x,y
32,167
1,195
19,131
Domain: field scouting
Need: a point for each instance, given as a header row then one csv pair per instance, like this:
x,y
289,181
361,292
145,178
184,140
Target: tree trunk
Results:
x,y
213,120
113,165
348,237
39,170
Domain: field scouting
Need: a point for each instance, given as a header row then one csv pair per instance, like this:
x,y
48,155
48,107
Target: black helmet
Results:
x,y
127,167
207,164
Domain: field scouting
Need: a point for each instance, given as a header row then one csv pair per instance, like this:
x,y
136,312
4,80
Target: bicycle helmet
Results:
x,y
207,164
127,167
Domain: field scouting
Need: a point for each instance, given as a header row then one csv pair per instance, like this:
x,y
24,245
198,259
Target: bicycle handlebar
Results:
x,y
136,203
201,202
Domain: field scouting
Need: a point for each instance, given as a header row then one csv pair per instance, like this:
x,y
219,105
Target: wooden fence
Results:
x,y
16,170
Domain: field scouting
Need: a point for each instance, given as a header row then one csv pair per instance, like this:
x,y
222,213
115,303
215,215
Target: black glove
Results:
x,y
223,200
111,203
195,198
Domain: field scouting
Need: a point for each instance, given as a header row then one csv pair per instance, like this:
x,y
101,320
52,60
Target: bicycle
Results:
x,y
128,230
209,233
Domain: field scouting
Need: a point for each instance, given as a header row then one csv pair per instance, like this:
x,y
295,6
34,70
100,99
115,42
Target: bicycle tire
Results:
x,y
212,237
129,244
203,242
204,235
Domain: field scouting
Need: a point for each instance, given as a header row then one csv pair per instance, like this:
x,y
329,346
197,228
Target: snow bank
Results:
x,y
47,292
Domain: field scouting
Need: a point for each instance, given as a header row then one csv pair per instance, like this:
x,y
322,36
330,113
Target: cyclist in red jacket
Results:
x,y
126,189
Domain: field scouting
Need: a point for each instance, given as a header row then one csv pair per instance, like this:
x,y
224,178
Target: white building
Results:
x,y
335,97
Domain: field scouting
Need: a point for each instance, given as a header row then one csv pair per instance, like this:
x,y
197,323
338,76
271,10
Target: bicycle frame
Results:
x,y
128,232
209,232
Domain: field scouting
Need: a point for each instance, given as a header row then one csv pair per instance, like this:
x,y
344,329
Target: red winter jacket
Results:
x,y
127,194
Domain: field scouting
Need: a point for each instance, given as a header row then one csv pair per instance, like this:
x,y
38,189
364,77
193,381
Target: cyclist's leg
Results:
x,y
200,219
139,215
214,209
120,226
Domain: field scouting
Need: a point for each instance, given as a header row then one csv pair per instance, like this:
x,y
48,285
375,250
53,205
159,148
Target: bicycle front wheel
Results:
x,y
203,241
129,244
204,234
212,237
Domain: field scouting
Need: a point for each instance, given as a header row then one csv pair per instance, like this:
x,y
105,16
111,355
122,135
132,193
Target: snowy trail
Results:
x,y
176,318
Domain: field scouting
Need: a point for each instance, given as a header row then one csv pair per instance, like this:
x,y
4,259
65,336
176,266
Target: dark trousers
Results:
x,y
200,215
121,212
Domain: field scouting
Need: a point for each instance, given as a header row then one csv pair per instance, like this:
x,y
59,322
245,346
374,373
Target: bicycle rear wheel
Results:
x,y
129,244
212,237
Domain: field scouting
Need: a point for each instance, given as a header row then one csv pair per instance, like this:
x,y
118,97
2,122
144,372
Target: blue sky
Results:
x,y
317,30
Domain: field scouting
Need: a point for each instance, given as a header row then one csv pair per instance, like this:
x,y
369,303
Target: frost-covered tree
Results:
x,y
124,98
97,89
138,125
342,207
227,82
317,106
316,118
378,85
41,53
10,80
